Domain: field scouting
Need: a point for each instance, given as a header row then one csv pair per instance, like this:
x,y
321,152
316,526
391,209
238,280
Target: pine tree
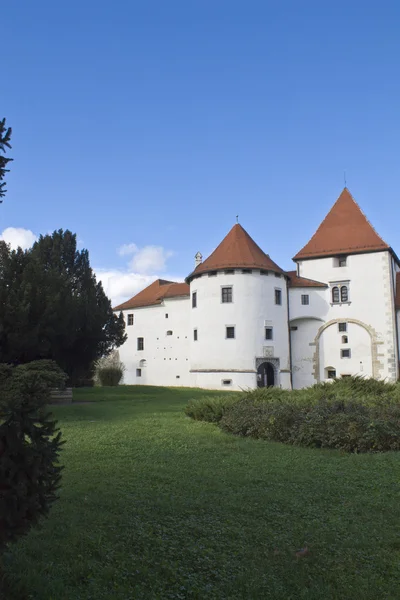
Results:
x,y
5,137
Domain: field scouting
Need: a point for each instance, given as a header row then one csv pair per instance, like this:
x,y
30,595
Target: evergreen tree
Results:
x,y
52,307
5,137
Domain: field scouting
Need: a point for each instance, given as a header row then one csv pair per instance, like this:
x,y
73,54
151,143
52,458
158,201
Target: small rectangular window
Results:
x,y
331,373
194,299
278,296
345,353
195,335
263,272
342,261
130,319
227,382
169,332
342,326
268,333
229,271
246,271
138,372
277,275
226,294
230,333
166,315
140,343
305,299
212,274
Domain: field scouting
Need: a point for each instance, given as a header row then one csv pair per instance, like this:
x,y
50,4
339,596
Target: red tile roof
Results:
x,y
296,281
237,250
345,230
155,293
397,291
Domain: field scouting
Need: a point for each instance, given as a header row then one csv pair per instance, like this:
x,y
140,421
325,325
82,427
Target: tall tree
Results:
x,y
52,307
5,137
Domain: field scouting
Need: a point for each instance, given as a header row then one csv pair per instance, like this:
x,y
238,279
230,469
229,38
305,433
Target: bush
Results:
x,y
110,375
210,408
29,447
351,414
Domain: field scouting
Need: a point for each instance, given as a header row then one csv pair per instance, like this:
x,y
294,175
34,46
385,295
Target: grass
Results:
x,y
156,505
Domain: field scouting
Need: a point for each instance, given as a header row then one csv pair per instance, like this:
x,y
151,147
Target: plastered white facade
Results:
x,y
313,338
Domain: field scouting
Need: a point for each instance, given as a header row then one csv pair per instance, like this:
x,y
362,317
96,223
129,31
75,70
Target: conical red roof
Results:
x,y
237,250
345,230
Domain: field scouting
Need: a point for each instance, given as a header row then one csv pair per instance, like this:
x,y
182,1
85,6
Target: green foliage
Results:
x,y
5,137
29,447
351,414
210,408
110,376
52,307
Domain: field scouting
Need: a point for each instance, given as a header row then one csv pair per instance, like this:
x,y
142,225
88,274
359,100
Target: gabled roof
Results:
x,y
296,281
397,298
345,230
237,250
155,294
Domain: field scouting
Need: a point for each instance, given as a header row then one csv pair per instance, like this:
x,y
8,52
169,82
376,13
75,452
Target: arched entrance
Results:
x,y
266,375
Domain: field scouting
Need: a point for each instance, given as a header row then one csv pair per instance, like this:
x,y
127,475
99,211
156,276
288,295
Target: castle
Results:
x,y
240,321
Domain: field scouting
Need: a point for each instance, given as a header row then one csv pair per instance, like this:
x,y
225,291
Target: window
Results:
x,y
340,293
263,272
246,271
230,333
345,339
277,275
342,326
212,274
226,294
344,294
268,333
278,296
138,372
229,271
130,319
342,261
166,315
227,382
169,332
194,299
195,335
140,343
345,353
331,373
305,299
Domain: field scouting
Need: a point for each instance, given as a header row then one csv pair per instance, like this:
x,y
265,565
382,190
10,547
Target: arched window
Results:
x,y
142,363
345,339
335,294
344,293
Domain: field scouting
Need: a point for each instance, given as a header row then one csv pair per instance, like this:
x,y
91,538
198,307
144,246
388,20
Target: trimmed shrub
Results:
x,y
210,408
29,447
351,414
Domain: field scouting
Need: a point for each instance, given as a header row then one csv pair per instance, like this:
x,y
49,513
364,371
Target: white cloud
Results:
x,y
127,249
150,259
122,285
18,237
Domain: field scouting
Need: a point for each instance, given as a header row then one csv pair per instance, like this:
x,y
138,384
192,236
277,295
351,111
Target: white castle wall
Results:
x,y
213,357
371,303
167,356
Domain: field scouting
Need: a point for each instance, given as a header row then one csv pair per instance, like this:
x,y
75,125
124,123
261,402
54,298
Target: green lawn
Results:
x,y
155,505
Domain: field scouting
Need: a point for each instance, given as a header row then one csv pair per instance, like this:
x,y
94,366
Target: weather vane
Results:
x,y
237,218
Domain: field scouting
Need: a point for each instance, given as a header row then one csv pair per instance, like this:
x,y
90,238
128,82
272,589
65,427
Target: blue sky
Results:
x,y
150,125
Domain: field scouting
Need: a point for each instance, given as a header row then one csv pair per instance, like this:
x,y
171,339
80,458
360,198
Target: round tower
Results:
x,y
239,317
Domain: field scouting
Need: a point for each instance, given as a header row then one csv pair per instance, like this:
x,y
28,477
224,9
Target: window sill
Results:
x,y
339,303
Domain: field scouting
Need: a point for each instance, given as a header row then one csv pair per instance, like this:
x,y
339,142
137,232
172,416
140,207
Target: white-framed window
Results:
x,y
230,332
269,333
345,353
278,296
226,294
140,343
130,319
305,299
342,327
340,292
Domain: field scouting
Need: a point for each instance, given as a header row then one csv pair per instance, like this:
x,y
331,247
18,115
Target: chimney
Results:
x,y
198,259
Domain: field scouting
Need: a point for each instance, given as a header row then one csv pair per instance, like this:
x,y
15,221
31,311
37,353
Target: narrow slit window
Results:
x,y
195,335
344,293
278,297
194,299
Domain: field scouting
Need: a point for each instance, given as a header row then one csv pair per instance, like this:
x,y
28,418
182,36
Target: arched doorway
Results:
x,y
265,375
